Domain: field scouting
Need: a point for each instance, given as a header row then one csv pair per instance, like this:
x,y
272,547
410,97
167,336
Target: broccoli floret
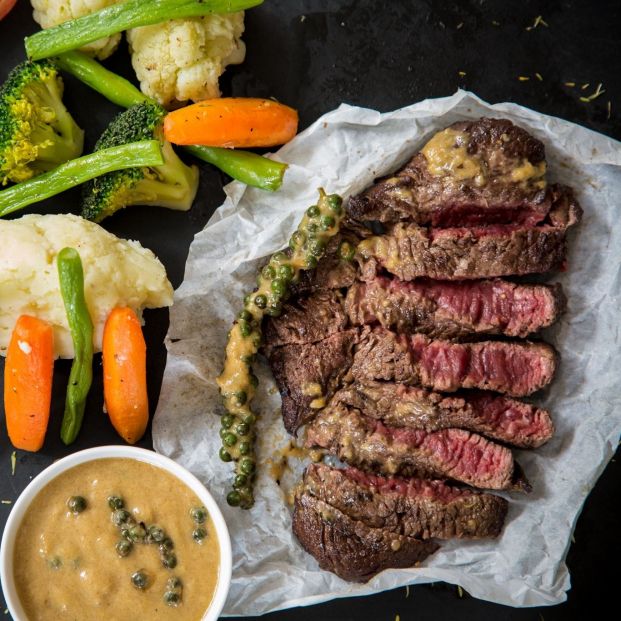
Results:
x,y
172,185
37,133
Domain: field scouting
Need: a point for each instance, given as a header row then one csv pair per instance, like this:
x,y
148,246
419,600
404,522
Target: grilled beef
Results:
x,y
453,309
487,171
349,548
455,454
515,369
413,507
500,418
409,251
307,373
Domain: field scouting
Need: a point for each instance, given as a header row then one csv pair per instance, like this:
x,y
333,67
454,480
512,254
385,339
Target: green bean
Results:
x,y
307,245
71,278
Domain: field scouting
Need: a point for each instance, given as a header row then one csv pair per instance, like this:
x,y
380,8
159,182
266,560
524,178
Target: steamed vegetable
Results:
x,y
232,122
71,280
182,59
171,184
123,16
75,172
125,374
28,374
49,13
237,382
244,166
37,133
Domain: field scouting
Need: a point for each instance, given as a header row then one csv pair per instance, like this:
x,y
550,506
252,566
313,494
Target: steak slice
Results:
x,y
453,309
500,418
455,454
409,251
515,369
306,374
307,319
349,548
487,171
418,508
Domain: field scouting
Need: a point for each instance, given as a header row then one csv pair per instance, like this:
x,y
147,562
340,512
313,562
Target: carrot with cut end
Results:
x,y
28,372
232,122
125,374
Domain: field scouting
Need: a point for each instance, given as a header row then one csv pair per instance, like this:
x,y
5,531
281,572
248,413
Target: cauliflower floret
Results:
x,y
48,13
183,59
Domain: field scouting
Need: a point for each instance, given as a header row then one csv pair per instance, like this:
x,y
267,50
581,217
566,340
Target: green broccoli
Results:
x,y
172,185
37,133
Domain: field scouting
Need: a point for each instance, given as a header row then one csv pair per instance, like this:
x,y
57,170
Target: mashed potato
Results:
x,y
116,273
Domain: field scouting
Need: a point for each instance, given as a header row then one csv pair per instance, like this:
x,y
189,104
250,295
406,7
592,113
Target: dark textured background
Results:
x,y
313,55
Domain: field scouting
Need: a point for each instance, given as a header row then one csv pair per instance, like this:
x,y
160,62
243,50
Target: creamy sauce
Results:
x,y
447,154
311,389
527,172
66,565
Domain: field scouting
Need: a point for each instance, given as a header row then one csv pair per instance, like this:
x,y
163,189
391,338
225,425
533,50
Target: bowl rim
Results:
x,y
24,500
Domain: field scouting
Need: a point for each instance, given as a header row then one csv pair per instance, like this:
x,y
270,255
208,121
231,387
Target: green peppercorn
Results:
x,y
55,562
334,203
225,455
166,546
229,439
233,498
227,420
327,222
198,534
286,272
171,598
240,397
156,533
140,579
174,583
312,211
223,432
244,448
241,480
268,272
297,239
312,228
242,429
247,299
278,286
311,262
123,548
274,309
120,516
198,515
247,359
247,465
114,502
169,560
279,257
137,532
260,301
76,504
245,328
347,251
245,315
316,247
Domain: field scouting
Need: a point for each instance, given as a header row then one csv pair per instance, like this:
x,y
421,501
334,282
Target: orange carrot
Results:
x,y
28,372
232,122
125,374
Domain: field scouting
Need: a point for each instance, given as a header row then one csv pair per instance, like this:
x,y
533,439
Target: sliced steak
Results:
x,y
455,454
487,171
409,251
413,507
500,418
307,319
349,548
307,374
515,369
454,309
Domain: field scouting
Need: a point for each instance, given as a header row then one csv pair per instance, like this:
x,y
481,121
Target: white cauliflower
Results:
x,y
48,13
183,59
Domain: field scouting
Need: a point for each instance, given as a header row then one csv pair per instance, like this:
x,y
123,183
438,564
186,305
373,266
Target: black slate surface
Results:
x,y
313,55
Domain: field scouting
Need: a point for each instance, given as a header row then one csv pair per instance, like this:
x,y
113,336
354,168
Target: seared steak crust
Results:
x,y
500,418
515,369
497,194
349,548
306,374
418,508
454,309
449,453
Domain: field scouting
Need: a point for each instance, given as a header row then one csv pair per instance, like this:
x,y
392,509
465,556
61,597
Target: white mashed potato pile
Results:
x,y
116,273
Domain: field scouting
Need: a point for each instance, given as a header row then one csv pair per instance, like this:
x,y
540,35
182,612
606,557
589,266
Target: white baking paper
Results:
x,y
343,152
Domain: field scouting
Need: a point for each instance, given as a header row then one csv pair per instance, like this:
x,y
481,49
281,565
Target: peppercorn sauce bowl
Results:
x,y
21,506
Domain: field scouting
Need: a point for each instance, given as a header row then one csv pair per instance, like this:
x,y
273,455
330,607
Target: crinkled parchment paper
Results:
x,y
343,152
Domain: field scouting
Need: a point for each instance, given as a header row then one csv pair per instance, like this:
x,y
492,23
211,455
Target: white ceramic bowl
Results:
x,y
103,452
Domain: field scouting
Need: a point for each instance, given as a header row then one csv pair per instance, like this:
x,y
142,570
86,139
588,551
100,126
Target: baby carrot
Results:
x,y
232,122
125,374
28,374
